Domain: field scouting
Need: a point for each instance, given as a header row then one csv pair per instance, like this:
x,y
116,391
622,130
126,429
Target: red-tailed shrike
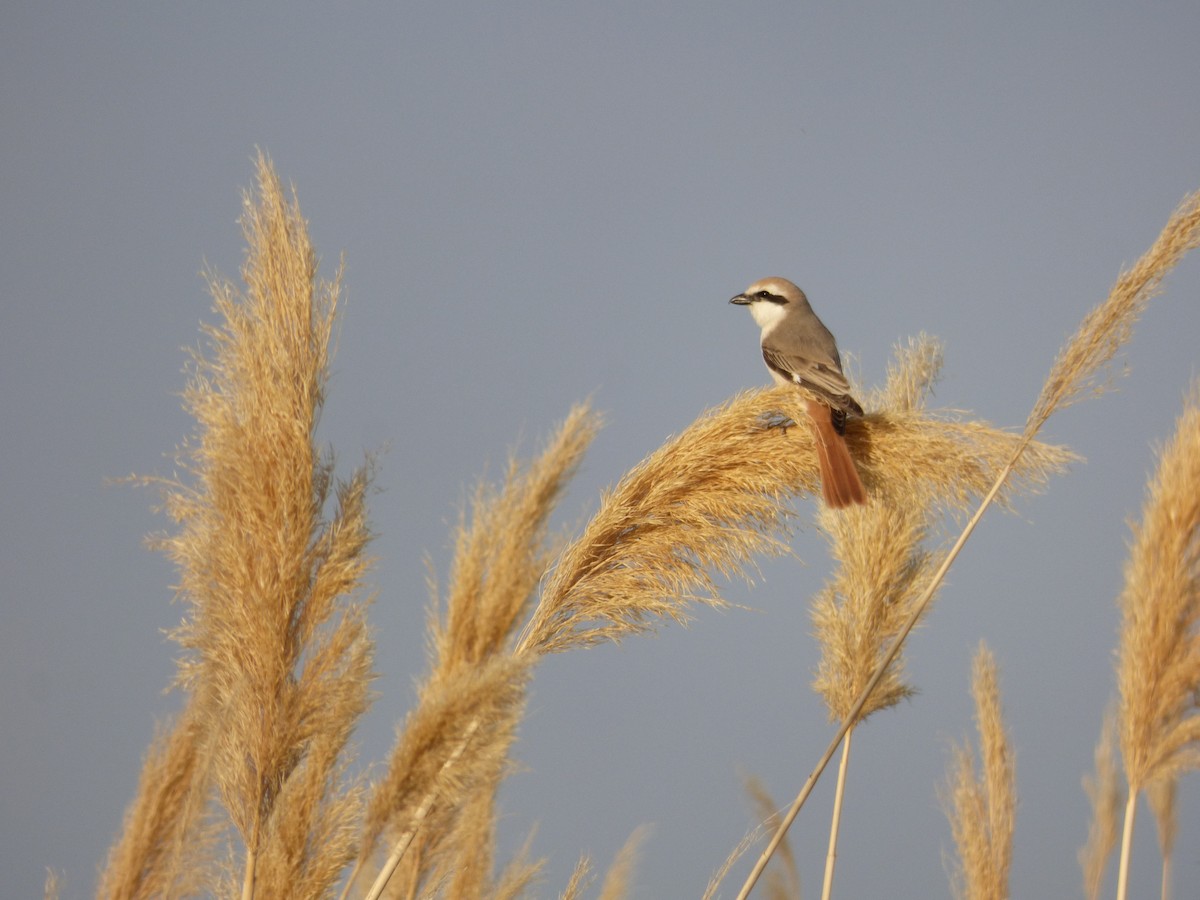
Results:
x,y
799,350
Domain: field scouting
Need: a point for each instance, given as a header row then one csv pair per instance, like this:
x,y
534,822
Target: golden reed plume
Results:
x,y
276,652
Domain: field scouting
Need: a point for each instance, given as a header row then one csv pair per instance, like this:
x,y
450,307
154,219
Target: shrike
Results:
x,y
799,350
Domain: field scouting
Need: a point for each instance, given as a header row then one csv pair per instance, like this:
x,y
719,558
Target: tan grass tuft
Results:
x,y
453,744
517,878
1103,790
712,890
982,808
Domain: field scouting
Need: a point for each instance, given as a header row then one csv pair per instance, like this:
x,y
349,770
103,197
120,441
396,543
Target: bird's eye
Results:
x,y
764,294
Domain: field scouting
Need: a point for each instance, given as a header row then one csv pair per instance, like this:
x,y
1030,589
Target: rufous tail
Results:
x,y
840,484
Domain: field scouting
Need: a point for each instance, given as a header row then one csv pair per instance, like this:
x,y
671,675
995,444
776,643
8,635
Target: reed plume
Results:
x,y
1082,366
1104,795
276,655
1158,666
982,808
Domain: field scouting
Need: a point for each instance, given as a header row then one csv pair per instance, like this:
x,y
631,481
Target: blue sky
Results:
x,y
540,203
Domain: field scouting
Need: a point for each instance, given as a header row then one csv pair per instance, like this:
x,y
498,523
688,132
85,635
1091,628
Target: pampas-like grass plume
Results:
x,y
276,652
1158,667
982,808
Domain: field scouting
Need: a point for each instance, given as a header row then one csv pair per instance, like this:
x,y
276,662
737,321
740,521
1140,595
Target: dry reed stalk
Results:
x,y
1158,666
1078,366
276,650
1104,794
982,809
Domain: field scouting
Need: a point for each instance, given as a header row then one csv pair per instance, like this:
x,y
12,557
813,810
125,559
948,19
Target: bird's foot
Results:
x,y
768,421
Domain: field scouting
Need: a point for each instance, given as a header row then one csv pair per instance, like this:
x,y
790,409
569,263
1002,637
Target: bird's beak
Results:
x,y
741,300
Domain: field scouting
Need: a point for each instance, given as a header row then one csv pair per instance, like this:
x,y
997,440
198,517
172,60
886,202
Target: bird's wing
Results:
x,y
825,379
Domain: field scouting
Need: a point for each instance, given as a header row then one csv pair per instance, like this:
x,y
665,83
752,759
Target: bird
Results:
x,y
799,350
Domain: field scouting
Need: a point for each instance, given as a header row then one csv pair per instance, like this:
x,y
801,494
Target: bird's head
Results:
x,y
769,299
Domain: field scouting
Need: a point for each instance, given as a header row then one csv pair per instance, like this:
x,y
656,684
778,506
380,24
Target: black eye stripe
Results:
x,y
773,298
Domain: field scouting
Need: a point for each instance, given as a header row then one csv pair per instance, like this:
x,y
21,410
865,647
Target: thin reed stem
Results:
x,y
1126,845
831,855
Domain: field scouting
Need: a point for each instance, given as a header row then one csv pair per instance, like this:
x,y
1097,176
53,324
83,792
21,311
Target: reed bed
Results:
x,y
252,791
